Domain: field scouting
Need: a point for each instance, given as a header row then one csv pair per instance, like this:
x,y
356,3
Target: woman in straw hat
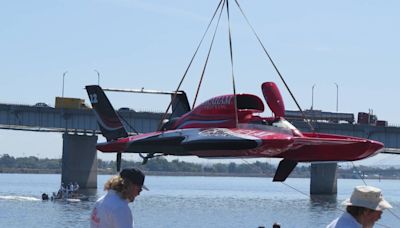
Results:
x,y
363,209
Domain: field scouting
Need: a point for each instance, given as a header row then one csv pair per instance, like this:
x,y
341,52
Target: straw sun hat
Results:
x,y
368,197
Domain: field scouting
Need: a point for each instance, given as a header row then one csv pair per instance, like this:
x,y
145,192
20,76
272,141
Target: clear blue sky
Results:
x,y
135,44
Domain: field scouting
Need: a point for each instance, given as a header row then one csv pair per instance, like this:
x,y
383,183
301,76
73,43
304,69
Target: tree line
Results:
x,y
157,165
161,165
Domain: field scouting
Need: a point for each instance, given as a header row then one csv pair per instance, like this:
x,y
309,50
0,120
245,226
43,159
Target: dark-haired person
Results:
x,y
112,209
363,209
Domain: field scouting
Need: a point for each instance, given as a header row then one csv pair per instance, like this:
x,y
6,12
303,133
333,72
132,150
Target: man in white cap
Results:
x,y
363,209
112,209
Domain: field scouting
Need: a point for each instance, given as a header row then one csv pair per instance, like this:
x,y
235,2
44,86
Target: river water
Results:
x,y
190,202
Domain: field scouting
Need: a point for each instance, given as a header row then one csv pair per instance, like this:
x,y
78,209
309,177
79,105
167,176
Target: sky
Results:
x,y
148,44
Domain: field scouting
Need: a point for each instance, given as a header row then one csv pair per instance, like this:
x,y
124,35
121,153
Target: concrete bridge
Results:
x,y
48,119
80,129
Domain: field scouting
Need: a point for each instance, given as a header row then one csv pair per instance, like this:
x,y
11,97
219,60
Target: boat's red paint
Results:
x,y
211,130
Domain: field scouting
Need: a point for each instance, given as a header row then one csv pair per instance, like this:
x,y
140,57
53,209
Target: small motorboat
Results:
x,y
67,193
70,197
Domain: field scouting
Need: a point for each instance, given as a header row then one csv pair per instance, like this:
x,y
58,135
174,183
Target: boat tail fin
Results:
x,y
285,167
180,105
110,124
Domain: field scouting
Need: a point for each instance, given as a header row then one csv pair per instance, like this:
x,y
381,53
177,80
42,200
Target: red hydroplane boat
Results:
x,y
229,126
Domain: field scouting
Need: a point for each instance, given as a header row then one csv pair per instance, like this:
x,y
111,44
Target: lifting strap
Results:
x,y
187,68
275,67
208,56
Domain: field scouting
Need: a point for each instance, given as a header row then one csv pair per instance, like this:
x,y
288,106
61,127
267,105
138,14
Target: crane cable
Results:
x,y
275,67
187,68
232,71
208,56
231,59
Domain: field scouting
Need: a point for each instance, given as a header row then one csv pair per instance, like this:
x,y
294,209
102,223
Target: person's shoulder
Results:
x,y
346,221
113,199
333,223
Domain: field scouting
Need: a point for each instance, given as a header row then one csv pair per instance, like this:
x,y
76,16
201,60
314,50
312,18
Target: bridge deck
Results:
x,y
48,119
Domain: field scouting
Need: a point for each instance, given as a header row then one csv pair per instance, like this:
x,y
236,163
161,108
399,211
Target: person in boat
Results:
x,y
73,189
112,209
61,191
76,187
70,189
364,208
45,196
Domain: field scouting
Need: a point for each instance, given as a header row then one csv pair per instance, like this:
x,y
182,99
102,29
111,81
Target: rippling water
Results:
x,y
188,202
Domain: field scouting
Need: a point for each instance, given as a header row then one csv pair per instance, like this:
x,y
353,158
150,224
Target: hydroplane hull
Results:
x,y
251,143
228,126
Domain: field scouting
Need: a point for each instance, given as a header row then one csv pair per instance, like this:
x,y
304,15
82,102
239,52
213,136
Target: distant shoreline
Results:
x,y
165,173
108,172
163,167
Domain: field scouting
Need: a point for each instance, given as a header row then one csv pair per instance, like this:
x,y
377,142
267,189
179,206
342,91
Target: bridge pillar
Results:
x,y
79,160
323,179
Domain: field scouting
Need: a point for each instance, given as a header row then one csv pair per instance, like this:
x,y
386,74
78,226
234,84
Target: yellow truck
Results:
x,y
70,103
